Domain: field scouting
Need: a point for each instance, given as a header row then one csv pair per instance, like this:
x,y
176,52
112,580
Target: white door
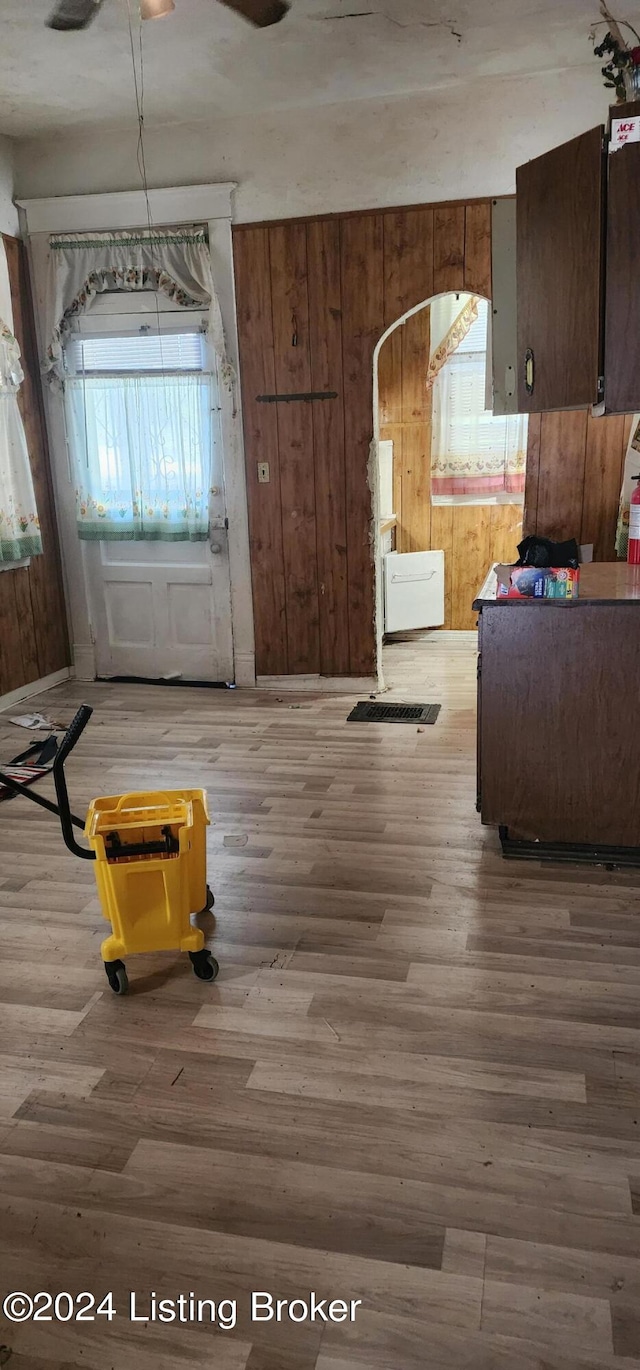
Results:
x,y
414,590
159,610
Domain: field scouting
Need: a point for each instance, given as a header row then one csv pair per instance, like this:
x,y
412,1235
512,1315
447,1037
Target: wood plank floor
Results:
x,y
415,1084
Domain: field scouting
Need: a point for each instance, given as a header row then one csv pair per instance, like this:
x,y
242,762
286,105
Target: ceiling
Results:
x,y
203,62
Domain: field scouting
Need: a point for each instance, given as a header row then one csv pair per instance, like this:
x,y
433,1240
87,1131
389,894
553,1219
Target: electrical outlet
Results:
x,y
263,473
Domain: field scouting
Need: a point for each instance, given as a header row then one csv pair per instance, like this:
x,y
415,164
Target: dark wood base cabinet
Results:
x,y
559,719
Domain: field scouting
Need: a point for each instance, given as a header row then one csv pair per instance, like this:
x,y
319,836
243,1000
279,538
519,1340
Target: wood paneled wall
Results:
x,y
33,626
472,536
314,298
574,475
405,414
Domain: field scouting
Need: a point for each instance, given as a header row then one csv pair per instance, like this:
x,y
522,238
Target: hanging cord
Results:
x,y
138,68
138,85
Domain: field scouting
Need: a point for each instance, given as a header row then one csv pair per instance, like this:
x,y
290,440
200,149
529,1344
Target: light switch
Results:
x,y
263,473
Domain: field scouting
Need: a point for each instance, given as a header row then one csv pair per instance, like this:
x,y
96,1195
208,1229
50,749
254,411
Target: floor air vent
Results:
x,y
366,712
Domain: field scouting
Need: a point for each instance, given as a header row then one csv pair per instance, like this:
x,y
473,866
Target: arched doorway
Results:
x,y
447,474
314,300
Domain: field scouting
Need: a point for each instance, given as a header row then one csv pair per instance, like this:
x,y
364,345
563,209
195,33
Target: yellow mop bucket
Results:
x,y
150,853
150,859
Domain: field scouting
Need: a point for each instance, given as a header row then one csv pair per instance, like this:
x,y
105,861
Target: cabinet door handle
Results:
x,y
529,371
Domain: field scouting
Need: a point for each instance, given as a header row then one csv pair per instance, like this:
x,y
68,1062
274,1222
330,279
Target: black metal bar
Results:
x,y
116,849
307,397
580,853
74,731
128,849
36,798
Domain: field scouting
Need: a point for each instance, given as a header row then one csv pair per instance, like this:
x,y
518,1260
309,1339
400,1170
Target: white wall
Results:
x,y
450,144
8,212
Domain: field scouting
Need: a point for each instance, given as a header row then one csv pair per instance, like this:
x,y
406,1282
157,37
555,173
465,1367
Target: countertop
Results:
x,y
602,582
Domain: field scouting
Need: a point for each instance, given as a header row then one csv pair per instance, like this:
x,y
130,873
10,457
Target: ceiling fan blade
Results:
x,y
262,13
73,14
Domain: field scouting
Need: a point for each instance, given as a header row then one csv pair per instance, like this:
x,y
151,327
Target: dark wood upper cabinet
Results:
x,y
560,231
578,272
622,276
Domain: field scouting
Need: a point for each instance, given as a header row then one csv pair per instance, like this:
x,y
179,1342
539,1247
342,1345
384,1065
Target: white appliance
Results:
x,y
414,590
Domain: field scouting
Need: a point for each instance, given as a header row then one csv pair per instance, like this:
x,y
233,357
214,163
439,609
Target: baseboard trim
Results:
x,y
245,670
84,661
36,687
319,684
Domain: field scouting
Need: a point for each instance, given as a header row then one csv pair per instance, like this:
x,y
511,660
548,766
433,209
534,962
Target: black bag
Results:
x,y
535,551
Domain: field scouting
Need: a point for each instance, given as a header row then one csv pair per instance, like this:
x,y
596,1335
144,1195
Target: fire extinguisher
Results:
x,y
633,555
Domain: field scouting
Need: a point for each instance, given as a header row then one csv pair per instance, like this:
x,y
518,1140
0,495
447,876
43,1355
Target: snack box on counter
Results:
x,y
536,582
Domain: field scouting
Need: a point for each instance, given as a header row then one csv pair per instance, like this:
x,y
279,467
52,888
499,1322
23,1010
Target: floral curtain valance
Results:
x,y
19,525
452,339
176,262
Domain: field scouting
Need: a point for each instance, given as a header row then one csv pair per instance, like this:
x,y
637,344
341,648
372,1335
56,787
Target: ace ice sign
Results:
x,y
624,131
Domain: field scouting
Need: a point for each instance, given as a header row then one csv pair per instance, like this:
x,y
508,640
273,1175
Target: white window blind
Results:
x,y
471,430
137,353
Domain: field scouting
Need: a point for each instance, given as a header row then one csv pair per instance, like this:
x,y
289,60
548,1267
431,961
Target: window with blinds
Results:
x,y
142,420
137,353
471,429
476,456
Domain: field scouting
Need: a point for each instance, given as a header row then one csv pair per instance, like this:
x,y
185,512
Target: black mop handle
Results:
x,y
73,733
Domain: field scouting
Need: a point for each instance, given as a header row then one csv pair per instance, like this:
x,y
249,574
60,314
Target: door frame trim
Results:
x,y
123,210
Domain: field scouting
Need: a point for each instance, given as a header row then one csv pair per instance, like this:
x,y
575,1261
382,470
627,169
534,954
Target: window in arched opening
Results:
x,y
476,457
